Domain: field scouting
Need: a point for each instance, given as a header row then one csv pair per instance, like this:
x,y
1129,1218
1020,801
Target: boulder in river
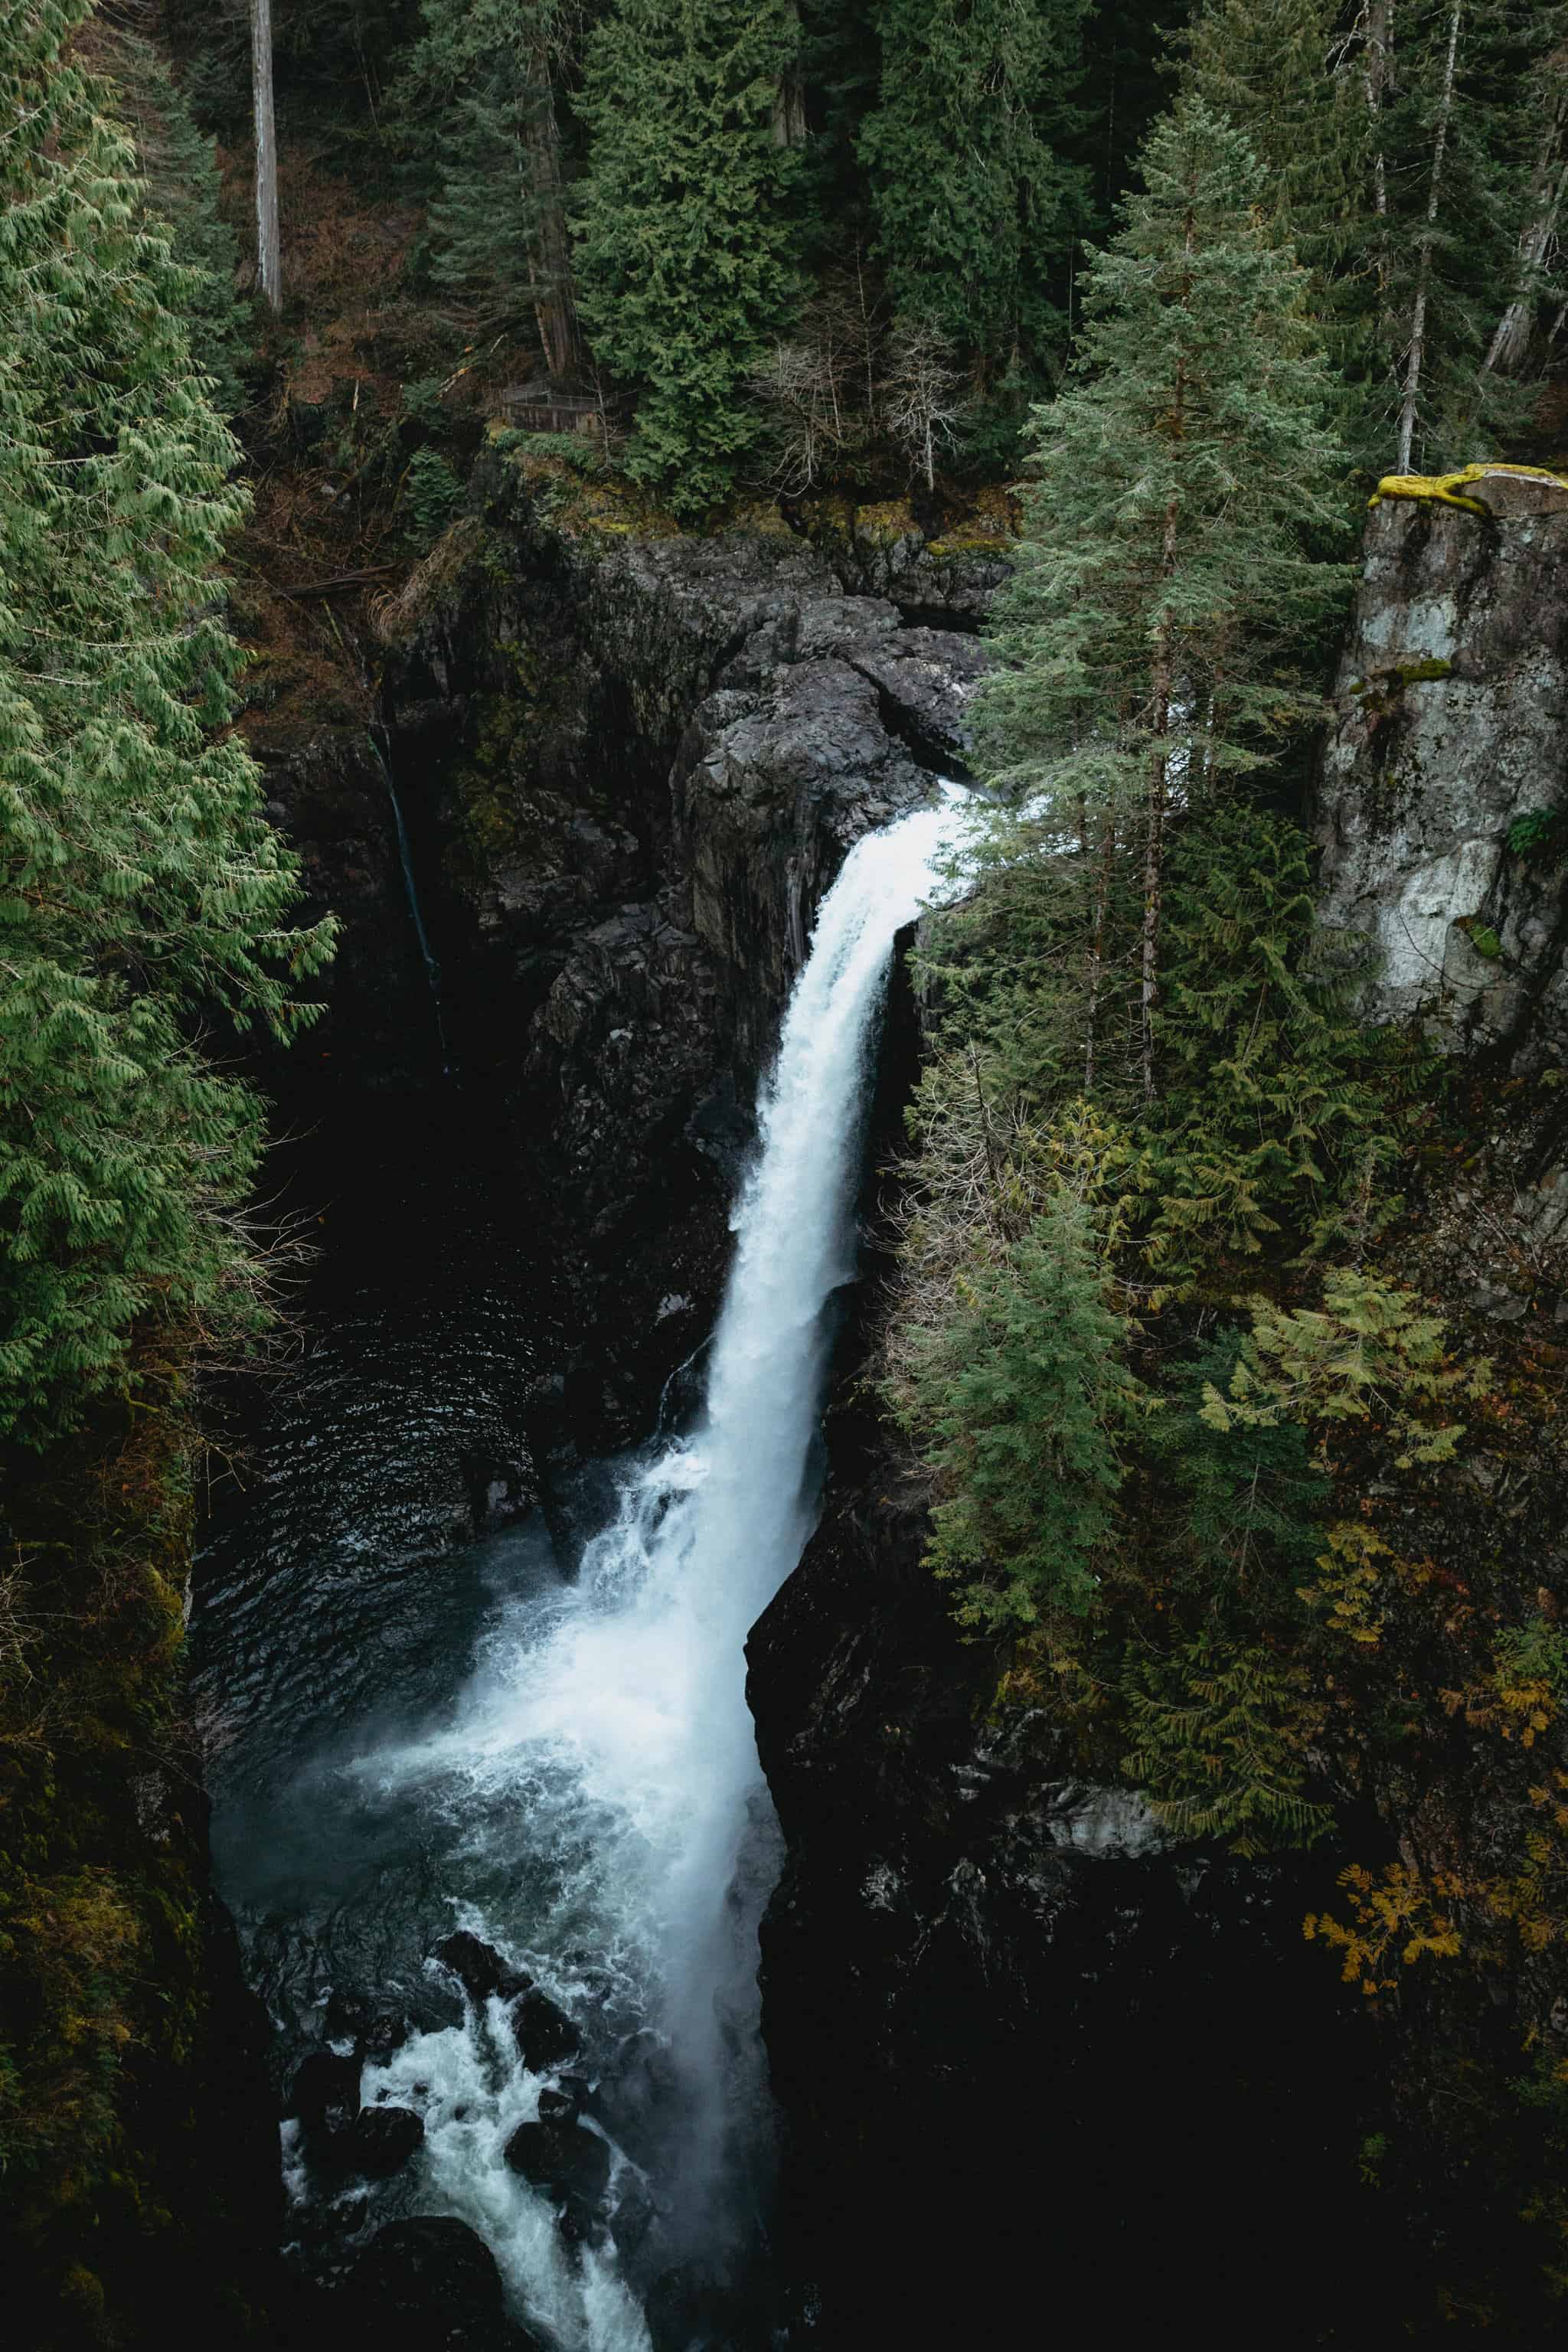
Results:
x,y
379,2142
563,2157
376,2027
546,2034
559,2106
326,2092
479,1967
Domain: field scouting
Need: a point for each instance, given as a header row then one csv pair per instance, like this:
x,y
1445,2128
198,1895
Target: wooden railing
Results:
x,y
530,411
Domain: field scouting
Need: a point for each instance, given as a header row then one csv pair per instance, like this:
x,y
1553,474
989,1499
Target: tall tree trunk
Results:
x,y
1416,357
1155,839
1549,184
1097,941
555,307
268,249
1377,65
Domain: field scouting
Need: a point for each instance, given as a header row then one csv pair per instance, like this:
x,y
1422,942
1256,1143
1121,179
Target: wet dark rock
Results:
x,y
580,2225
559,2106
546,2034
378,2143
637,2097
432,2286
692,2305
562,2156
326,2092
376,2027
633,2217
479,1967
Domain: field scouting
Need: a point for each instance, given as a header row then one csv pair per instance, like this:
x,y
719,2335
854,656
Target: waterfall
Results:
x,y
605,1729
411,891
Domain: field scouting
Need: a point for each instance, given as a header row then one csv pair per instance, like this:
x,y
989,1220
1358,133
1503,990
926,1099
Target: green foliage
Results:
x,y
138,879
1535,1652
1249,1501
1017,1399
475,104
1277,1112
1167,567
684,227
1414,212
179,173
1372,1350
974,206
1220,1738
1538,832
434,494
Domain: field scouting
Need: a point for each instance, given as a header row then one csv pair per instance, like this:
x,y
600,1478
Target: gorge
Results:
x,y
980,1938
784,1174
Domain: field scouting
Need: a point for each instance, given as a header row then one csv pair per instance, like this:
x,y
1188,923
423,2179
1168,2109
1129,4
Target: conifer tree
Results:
x,y
178,168
975,207
477,98
685,231
1413,159
139,880
1168,585
1018,1399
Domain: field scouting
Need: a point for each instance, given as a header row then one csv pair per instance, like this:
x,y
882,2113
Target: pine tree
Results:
x,y
1414,159
1168,586
1017,1401
975,207
478,101
140,883
685,230
178,168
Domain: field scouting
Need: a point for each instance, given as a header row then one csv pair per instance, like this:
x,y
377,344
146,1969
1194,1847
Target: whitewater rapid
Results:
x,y
605,1726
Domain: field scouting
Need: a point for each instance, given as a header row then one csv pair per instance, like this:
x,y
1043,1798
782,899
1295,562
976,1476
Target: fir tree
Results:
x,y
478,101
685,233
975,207
1168,586
141,882
179,173
1017,1401
1414,160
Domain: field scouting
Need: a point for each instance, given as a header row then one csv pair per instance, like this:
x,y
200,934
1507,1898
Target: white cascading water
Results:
x,y
608,1719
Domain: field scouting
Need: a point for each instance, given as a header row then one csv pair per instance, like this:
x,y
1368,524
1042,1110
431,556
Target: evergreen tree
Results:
x,y
477,100
975,207
685,231
1017,1399
1168,588
1414,160
139,880
179,173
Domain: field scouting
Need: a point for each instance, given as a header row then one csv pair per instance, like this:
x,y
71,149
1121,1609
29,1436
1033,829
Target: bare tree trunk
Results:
x,y
1377,60
1548,186
555,309
1154,840
1097,942
1417,353
268,249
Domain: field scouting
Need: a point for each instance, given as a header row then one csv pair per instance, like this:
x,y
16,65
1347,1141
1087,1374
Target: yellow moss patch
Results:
x,y
1447,489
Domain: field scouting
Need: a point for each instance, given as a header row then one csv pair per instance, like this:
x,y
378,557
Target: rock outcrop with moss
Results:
x,y
1441,809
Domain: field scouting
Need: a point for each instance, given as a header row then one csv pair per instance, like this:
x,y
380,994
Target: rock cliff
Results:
x,y
1441,806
